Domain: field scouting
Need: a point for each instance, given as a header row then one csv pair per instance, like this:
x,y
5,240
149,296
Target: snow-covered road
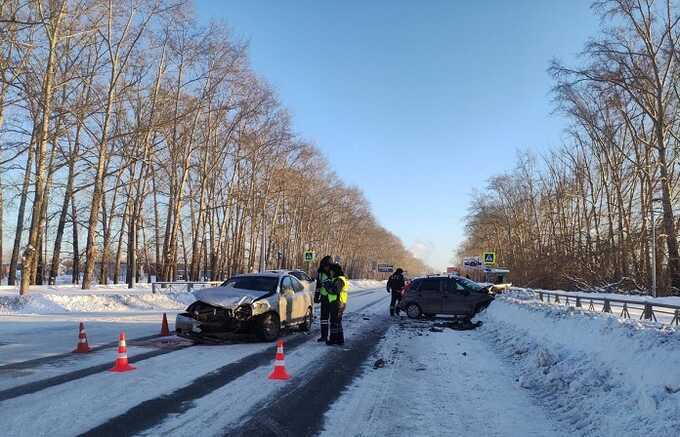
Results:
x,y
436,382
529,370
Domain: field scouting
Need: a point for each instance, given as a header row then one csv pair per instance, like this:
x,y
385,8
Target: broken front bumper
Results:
x,y
204,322
186,326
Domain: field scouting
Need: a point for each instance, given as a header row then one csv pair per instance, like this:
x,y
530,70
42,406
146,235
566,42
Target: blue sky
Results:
x,y
416,102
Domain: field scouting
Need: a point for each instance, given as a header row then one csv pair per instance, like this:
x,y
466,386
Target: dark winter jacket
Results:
x,y
396,282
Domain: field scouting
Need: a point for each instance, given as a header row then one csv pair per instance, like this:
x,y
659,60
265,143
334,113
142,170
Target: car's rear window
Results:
x,y
256,283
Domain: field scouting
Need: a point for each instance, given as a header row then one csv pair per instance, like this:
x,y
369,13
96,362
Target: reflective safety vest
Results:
x,y
323,277
342,293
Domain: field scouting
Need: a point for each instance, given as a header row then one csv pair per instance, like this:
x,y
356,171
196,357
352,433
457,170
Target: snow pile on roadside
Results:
x,y
75,290
596,374
42,303
67,298
365,284
528,293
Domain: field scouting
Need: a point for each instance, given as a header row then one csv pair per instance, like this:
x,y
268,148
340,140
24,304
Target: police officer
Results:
x,y
395,285
321,294
337,300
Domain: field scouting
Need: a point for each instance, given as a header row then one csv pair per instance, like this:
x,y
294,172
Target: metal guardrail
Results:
x,y
649,309
156,287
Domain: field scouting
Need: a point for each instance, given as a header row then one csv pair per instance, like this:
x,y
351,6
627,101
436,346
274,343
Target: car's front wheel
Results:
x,y
413,311
306,325
268,327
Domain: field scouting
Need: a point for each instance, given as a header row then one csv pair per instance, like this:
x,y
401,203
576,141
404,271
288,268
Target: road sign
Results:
x,y
385,268
310,256
489,258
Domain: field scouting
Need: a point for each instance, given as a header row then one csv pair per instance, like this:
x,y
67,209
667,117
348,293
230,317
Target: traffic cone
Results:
x,y
279,365
82,346
121,364
165,331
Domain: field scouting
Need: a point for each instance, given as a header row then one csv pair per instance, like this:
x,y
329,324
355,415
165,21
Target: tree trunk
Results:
x,y
30,255
14,261
75,279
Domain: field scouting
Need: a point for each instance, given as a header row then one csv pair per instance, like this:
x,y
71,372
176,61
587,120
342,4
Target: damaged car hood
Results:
x,y
229,297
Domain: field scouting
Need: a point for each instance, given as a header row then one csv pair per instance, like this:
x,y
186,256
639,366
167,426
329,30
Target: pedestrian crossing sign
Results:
x,y
489,258
309,256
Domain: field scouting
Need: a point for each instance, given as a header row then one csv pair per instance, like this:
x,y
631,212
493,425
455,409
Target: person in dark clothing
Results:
x,y
395,285
337,300
323,275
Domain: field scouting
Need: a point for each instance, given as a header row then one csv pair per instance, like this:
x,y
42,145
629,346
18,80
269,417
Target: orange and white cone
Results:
x,y
279,365
165,330
121,364
82,346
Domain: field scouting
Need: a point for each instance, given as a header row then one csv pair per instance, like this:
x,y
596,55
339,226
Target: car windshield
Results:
x,y
257,283
467,283
300,275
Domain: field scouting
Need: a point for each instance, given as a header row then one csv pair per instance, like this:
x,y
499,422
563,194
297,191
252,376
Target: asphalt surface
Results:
x,y
300,411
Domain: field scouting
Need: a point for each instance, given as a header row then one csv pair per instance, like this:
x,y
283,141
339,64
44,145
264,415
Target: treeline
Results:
x,y
133,137
581,216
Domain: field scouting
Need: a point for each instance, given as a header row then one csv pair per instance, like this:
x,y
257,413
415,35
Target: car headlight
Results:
x,y
260,307
244,312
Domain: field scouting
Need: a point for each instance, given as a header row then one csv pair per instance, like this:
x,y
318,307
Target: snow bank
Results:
x,y
68,298
365,284
75,290
671,300
598,375
44,303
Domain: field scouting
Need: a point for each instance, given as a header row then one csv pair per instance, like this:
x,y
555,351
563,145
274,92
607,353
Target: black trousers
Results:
x,y
394,303
324,317
337,308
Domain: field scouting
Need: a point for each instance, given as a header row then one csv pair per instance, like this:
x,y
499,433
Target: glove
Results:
x,y
317,297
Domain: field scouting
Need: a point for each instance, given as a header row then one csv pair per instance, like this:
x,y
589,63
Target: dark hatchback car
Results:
x,y
445,295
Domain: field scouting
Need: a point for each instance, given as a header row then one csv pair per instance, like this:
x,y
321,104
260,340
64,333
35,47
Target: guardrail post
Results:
x,y
591,307
578,301
607,307
557,298
648,313
153,287
567,302
676,318
190,286
540,295
624,312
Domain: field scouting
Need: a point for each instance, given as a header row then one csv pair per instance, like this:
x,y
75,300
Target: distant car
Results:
x,y
259,303
445,295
